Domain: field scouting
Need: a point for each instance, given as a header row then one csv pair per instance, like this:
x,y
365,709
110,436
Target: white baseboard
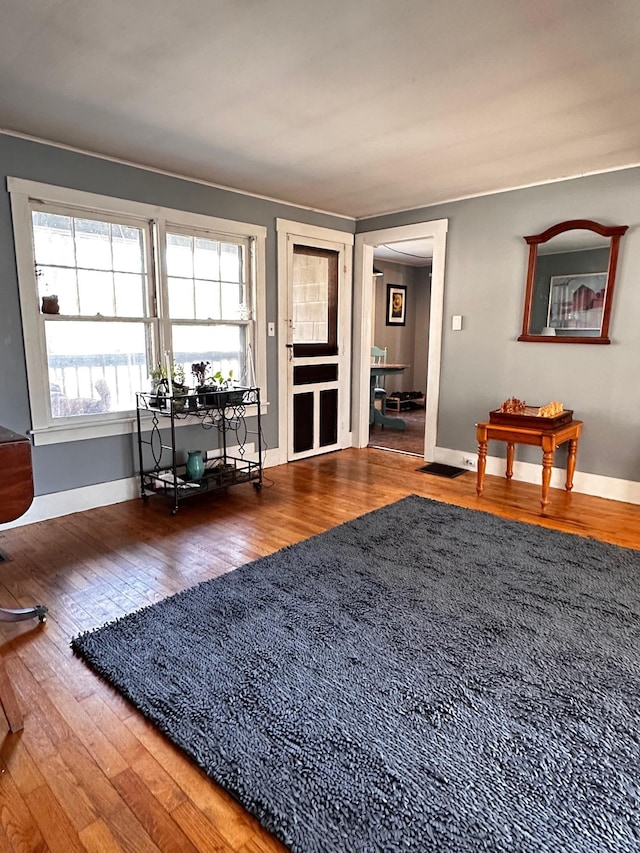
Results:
x,y
58,504
77,500
529,472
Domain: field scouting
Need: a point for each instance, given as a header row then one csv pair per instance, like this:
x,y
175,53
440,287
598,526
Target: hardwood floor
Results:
x,y
88,772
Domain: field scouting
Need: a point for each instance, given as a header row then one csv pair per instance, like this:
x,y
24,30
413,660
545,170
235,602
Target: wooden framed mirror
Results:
x,y
570,282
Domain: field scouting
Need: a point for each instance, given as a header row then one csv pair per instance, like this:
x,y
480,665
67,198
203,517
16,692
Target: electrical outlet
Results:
x,y
469,461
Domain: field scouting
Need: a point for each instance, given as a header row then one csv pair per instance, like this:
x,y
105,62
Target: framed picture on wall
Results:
x,y
396,304
577,301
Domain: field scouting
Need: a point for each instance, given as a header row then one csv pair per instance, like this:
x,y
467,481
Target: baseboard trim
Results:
x,y
612,488
59,504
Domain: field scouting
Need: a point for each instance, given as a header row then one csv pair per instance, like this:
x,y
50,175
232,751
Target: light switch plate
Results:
x,y
271,330
456,322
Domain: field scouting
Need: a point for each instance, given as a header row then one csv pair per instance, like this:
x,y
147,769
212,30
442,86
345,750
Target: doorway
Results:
x,y
314,328
402,268
366,243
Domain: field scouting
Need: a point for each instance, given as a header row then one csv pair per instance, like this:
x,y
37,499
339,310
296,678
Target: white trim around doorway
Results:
x,y
363,306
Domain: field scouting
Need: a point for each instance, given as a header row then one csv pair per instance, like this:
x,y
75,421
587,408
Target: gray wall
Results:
x,y
484,281
71,465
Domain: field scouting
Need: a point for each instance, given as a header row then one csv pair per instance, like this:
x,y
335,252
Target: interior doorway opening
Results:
x,y
363,378
400,331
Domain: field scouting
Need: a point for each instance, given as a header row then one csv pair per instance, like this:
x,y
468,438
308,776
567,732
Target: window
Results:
x,y
94,295
208,301
109,287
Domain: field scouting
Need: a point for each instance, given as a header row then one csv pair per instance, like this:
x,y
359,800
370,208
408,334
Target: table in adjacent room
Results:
x,y
376,416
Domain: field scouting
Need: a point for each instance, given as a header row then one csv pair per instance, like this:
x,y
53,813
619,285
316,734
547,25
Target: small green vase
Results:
x,y
195,465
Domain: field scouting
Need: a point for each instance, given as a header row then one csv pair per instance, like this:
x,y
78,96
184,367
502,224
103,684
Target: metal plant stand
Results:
x,y
161,473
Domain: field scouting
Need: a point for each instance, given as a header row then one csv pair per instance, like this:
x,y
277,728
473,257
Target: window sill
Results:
x,y
126,425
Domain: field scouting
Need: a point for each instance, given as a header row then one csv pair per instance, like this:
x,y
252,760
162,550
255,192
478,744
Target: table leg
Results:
x,y
385,420
482,464
510,449
547,465
571,463
9,702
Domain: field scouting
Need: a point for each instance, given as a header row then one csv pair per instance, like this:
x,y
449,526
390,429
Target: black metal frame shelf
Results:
x,y
225,411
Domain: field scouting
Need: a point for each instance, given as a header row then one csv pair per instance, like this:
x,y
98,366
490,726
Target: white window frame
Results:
x,y
45,429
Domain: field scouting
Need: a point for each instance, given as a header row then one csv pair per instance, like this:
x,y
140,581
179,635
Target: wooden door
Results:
x,y
317,375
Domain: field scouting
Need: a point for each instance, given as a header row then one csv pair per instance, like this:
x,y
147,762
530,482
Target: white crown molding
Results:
x,y
122,162
499,191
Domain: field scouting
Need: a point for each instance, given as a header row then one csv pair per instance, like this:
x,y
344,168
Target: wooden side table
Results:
x,y
547,439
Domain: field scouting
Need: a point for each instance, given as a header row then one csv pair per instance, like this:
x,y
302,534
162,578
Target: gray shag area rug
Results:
x,y
424,678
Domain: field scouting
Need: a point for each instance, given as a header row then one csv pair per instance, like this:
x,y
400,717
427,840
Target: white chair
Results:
x,y
379,356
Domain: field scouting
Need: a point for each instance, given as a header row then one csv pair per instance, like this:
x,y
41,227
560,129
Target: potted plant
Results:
x,y
158,386
203,386
227,394
180,389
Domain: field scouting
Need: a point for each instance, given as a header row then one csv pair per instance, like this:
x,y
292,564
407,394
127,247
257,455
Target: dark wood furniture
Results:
x,y
538,436
16,495
612,234
397,404
16,487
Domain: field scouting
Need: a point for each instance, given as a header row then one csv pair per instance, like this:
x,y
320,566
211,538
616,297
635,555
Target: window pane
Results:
x,y
230,262
129,294
179,255
76,257
181,299
93,244
128,249
232,301
60,282
207,300
206,259
216,273
95,367
222,346
96,293
53,239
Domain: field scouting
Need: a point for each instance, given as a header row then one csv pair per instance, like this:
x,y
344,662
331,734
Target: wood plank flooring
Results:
x,y
88,772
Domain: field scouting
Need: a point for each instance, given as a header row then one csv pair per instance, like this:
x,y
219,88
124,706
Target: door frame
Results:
x,y
365,243
289,231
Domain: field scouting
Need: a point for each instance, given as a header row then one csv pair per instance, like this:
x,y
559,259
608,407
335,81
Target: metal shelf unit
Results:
x,y
224,411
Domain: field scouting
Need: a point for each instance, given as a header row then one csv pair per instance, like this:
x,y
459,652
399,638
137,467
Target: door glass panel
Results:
x,y
310,299
314,301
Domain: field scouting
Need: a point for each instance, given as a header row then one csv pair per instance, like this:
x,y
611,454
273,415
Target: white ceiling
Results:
x,y
412,253
356,107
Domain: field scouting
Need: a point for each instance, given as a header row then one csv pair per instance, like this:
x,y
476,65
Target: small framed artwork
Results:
x,y
396,304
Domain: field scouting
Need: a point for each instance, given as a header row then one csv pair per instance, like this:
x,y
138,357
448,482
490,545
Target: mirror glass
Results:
x,y
570,283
